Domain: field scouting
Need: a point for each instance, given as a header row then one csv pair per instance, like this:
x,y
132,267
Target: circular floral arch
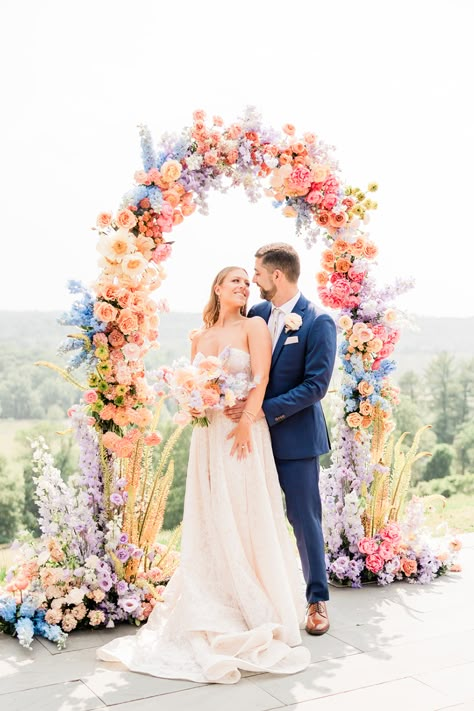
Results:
x,y
298,173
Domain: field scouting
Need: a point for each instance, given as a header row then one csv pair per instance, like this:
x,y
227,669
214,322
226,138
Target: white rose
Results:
x,y
75,596
92,561
292,322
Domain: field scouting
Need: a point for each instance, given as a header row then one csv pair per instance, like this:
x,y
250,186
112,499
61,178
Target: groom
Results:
x,y
304,350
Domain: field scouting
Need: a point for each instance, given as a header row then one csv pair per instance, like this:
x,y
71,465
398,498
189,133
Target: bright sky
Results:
x,y
388,84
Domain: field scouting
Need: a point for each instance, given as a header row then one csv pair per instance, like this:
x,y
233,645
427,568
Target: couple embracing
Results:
x,y
237,601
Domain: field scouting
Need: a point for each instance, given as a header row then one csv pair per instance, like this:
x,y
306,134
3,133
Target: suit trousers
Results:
x,y
299,479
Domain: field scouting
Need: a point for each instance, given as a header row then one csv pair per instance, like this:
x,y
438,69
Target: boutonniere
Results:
x,y
292,322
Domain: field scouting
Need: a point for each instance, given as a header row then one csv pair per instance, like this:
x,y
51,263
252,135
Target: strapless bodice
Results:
x,y
235,360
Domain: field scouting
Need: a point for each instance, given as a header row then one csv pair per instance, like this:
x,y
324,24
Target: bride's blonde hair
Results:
x,y
212,308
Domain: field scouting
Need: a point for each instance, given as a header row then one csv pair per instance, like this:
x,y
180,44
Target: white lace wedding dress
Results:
x,y
237,599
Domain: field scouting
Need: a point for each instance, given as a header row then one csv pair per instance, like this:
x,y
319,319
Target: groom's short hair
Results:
x,y
282,256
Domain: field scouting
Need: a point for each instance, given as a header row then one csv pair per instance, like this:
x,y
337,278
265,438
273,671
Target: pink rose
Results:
x,y
374,562
103,220
300,177
90,396
391,532
162,252
199,115
126,219
367,545
329,201
386,550
131,351
314,197
141,177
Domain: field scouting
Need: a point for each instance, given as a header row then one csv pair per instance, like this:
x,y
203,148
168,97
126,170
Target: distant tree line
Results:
x,y
442,396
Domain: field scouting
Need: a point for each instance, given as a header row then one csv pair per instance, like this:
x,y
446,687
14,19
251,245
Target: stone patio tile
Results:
x,y
457,682
114,684
445,592
350,607
345,674
391,696
70,696
89,639
18,676
243,696
404,625
326,647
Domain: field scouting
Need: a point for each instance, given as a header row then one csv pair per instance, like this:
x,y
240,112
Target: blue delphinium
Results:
x,y
81,316
24,631
7,608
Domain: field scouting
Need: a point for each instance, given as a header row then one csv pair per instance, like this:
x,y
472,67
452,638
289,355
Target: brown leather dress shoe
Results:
x,y
317,621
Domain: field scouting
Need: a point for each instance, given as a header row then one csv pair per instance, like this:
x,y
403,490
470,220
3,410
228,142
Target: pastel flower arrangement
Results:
x,y
203,386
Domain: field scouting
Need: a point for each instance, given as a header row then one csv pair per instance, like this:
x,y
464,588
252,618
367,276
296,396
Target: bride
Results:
x,y
236,602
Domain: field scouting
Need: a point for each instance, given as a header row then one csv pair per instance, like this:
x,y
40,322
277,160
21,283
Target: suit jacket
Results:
x,y
301,369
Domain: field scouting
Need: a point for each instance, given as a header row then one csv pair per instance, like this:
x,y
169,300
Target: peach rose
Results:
x,y
171,170
366,409
322,278
365,388
337,219
455,568
409,567
370,250
141,177
309,138
322,218
182,419
455,544
289,129
390,316
199,115
127,321
290,211
103,311
345,322
366,422
354,419
357,247
142,417
125,219
103,220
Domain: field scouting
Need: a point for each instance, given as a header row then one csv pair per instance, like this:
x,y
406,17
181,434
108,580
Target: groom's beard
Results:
x,y
267,294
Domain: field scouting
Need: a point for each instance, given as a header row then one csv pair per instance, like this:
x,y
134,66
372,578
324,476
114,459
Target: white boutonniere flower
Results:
x,y
292,322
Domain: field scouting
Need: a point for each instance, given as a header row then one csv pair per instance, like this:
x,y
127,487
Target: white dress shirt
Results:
x,y
277,318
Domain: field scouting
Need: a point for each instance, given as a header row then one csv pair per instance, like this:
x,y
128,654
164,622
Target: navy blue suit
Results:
x,y
301,369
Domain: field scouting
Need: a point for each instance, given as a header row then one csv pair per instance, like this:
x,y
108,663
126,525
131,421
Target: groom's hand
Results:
x,y
235,413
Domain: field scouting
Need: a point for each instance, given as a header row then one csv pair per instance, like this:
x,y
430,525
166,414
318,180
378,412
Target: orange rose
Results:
x,y
366,422
322,278
322,218
343,265
298,147
339,247
172,197
289,129
408,566
337,219
188,209
104,311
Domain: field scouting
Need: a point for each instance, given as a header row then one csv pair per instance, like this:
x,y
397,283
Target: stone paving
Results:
x,y
400,647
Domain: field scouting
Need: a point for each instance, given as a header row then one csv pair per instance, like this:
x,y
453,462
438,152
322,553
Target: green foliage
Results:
x,y
464,447
11,503
447,486
440,463
175,503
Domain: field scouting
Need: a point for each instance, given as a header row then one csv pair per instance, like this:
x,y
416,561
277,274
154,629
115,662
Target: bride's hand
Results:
x,y
234,413
242,441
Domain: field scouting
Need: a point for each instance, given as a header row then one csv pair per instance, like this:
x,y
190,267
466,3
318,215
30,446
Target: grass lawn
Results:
x,y
458,513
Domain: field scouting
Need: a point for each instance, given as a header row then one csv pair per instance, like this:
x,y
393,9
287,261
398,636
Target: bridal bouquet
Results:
x,y
205,384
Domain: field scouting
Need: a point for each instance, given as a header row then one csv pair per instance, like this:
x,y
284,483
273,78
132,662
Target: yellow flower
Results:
x,y
373,187
101,352
105,367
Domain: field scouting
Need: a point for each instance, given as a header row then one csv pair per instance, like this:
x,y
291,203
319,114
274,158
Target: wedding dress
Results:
x,y
237,599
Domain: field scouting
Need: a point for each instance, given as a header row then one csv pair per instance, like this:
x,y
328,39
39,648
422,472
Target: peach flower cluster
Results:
x,y
344,269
